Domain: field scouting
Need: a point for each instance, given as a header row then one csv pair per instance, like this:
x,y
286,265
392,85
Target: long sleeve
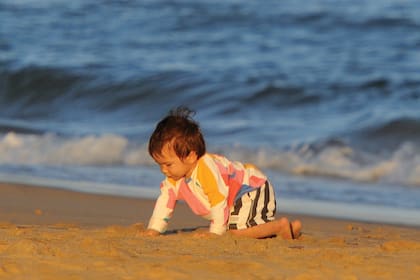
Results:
x,y
216,191
164,208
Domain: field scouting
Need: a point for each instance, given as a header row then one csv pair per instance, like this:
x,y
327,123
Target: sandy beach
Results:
x,y
48,233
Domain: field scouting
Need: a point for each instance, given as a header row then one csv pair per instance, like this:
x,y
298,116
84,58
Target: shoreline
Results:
x,y
378,214
52,233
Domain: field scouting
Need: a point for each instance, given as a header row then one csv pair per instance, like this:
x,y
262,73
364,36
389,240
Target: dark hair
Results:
x,y
179,129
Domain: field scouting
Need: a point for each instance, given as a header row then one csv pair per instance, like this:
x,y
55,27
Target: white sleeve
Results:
x,y
164,208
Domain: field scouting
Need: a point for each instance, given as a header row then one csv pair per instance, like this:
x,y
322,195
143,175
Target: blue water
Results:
x,y
324,96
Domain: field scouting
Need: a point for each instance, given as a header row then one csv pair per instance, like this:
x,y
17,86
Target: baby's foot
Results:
x,y
295,228
291,230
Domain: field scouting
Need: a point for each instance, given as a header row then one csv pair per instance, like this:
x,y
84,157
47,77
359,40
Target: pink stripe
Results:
x,y
256,182
196,206
227,212
235,184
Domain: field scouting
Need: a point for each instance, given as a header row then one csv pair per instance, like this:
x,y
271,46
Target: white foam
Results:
x,y
50,149
401,166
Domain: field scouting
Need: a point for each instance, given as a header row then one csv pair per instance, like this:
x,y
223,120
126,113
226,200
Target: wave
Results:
x,y
282,96
405,128
36,92
39,93
43,92
389,135
38,100
332,158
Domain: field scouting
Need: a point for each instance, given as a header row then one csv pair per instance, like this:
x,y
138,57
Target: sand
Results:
x,y
48,233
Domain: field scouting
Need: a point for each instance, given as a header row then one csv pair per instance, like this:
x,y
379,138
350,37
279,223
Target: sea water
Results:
x,y
324,96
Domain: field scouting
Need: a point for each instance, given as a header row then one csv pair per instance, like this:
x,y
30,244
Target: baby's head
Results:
x,y
178,130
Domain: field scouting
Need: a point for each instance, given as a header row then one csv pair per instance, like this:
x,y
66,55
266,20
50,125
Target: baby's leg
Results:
x,y
258,208
280,227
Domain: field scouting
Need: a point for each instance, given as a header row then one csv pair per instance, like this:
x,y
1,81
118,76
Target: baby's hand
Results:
x,y
148,232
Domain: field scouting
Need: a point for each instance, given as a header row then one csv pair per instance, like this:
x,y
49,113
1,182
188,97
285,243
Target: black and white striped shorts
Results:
x,y
253,208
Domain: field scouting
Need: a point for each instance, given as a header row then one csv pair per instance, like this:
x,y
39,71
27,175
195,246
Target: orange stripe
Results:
x,y
209,184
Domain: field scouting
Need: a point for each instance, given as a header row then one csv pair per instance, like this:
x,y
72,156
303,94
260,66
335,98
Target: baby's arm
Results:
x,y
163,210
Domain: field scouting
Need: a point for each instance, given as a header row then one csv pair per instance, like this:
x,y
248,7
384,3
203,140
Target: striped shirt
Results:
x,y
215,184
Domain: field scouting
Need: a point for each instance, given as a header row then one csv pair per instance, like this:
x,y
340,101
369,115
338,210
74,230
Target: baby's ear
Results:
x,y
192,156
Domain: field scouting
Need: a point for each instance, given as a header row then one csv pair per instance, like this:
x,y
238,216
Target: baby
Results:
x,y
235,197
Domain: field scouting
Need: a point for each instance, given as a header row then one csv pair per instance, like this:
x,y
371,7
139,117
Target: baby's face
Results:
x,y
172,166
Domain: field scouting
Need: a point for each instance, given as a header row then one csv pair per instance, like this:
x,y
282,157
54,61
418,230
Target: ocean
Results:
x,y
323,96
